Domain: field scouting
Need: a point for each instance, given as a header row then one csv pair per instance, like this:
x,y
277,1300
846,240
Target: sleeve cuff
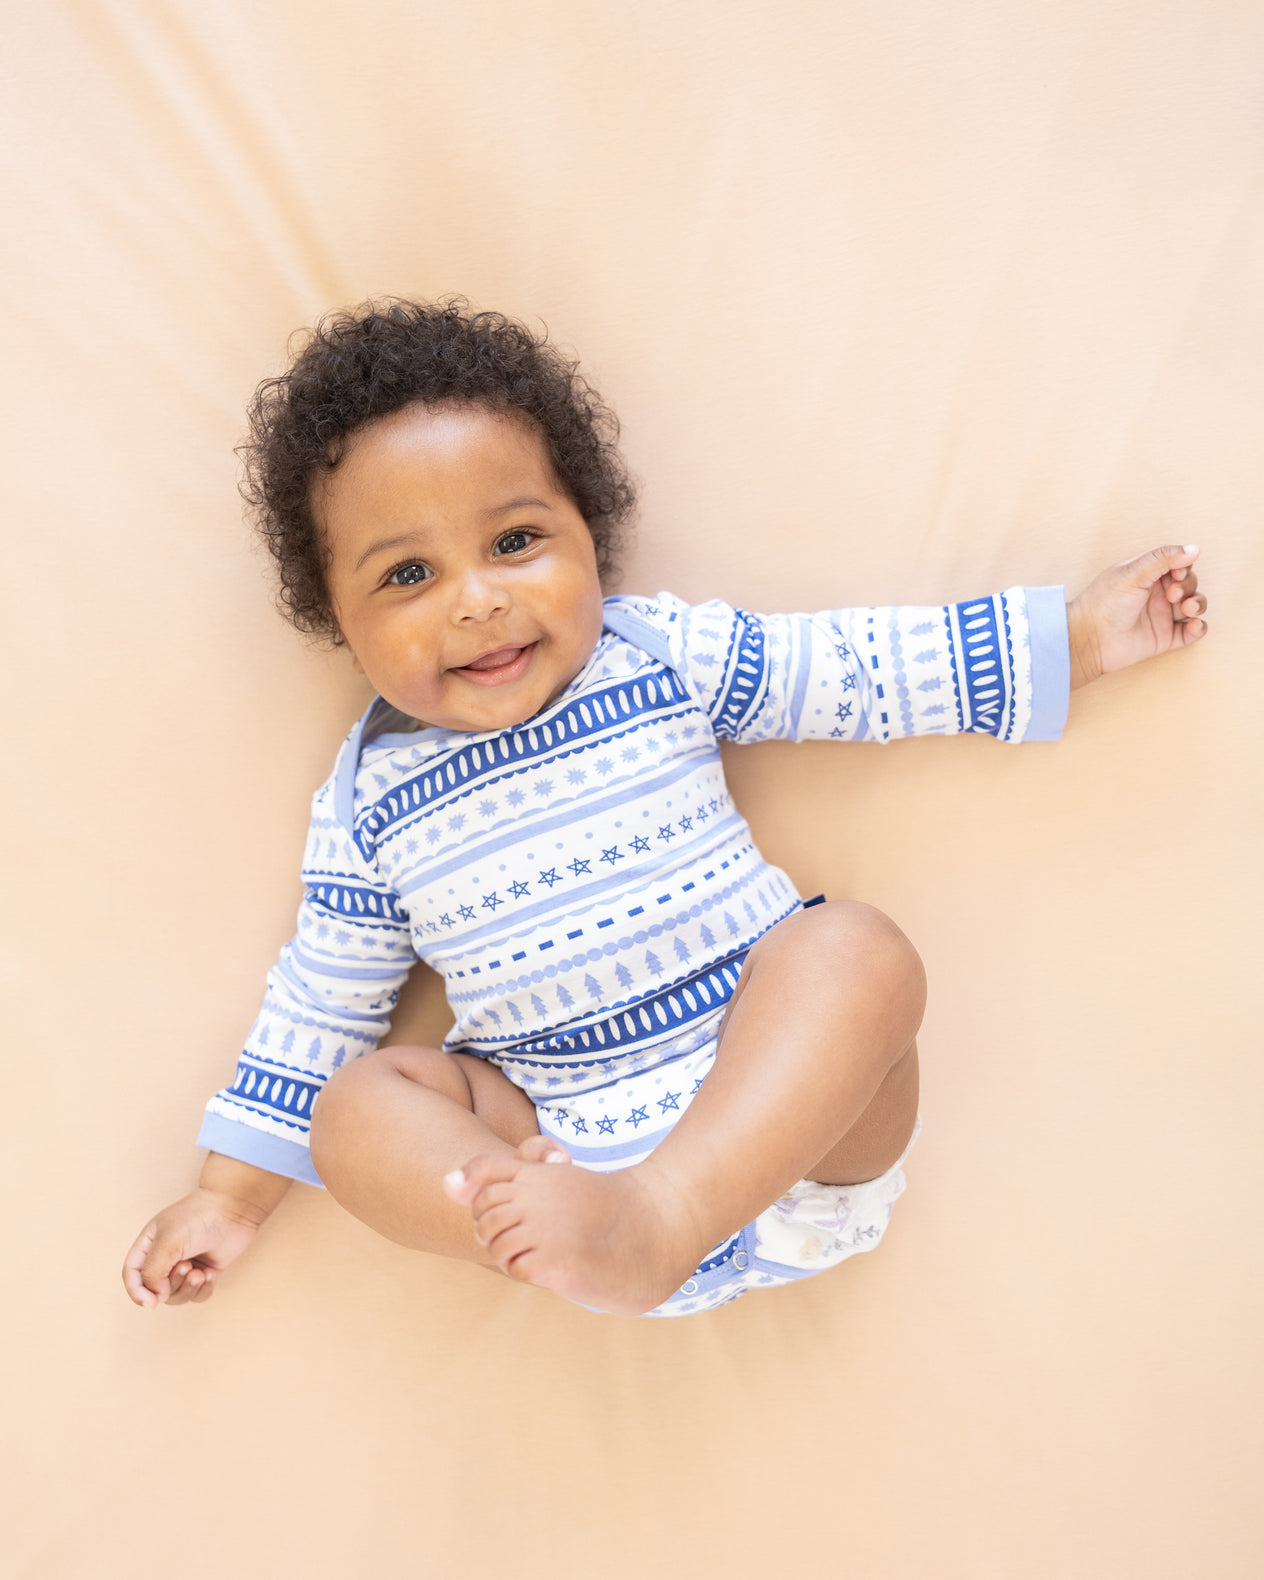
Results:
x,y
248,1145
1050,662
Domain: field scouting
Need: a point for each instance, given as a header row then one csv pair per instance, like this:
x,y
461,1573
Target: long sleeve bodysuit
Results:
x,y
583,882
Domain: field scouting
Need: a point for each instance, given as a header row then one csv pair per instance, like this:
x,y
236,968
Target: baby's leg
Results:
x,y
390,1125
815,1075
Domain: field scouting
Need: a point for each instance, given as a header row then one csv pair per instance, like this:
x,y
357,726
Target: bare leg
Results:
x,y
815,1074
390,1125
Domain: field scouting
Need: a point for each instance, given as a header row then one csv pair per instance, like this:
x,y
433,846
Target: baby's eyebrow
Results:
x,y
380,548
518,504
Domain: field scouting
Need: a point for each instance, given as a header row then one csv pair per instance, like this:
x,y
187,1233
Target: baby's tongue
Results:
x,y
496,660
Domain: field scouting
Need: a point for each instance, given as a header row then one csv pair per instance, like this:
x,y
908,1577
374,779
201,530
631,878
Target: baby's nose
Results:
x,y
479,595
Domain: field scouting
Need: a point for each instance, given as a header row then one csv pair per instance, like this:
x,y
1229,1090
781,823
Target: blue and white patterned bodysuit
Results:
x,y
587,889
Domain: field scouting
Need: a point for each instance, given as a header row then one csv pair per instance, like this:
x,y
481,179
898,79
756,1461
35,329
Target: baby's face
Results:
x,y
462,577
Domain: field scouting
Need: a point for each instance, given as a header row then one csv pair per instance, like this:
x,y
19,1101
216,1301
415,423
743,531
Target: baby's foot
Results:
x,y
620,1242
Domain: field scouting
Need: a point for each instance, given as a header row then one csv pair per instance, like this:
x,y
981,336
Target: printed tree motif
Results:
x,y
652,963
313,1050
287,1042
708,937
682,948
537,1004
593,986
564,998
340,1055
262,1038
731,923
515,1012
623,974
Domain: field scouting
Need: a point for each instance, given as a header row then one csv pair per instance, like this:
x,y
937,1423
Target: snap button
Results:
x,y
689,1287
740,1260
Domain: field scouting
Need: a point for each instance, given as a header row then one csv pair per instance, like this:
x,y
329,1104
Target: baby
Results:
x,y
670,1080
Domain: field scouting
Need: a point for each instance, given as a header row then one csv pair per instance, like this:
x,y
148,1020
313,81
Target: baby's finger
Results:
x,y
1190,631
1189,607
189,1287
207,1289
1161,564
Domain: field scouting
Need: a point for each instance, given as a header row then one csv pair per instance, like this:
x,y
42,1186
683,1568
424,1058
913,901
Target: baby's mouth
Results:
x,y
497,667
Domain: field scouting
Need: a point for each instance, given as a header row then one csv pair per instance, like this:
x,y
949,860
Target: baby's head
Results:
x,y
437,486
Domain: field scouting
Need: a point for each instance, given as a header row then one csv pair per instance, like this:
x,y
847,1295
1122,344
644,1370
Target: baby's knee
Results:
x,y
352,1094
859,934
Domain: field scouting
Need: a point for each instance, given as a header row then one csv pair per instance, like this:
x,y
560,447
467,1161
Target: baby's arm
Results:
x,y
1135,611
177,1255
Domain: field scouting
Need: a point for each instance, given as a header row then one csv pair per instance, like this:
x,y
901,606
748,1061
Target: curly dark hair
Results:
x,y
375,359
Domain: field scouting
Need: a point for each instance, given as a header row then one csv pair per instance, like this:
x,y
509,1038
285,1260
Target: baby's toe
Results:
x,y
542,1149
463,1184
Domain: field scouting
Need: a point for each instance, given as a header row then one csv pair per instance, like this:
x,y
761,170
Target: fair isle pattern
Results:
x,y
583,882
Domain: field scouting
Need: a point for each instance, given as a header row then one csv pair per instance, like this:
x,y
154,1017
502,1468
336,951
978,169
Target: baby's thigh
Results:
x,y
504,1108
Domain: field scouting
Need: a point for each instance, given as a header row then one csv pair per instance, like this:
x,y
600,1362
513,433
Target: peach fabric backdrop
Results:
x,y
898,303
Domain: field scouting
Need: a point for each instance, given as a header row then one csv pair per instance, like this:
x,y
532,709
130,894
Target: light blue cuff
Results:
x,y
1050,662
248,1145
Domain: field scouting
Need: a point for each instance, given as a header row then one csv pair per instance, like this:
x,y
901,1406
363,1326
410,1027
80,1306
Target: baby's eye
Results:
x,y
513,542
408,575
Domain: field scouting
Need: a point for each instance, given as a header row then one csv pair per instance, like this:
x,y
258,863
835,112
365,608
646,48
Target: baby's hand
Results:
x,y
177,1255
1136,610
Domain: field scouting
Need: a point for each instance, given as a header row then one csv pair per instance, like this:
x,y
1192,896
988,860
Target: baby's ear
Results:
x,y
356,664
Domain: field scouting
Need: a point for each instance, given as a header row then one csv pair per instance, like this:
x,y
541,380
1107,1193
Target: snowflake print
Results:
x,y
544,787
630,754
487,808
515,798
603,765
575,776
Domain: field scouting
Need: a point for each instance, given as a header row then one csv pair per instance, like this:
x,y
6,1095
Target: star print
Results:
x,y
580,1124
550,877
606,1125
578,866
666,832
639,845
843,710
491,901
445,920
715,806
636,1117
467,913
849,682
697,1084
701,813
519,889
612,855
836,735
669,1101
686,823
